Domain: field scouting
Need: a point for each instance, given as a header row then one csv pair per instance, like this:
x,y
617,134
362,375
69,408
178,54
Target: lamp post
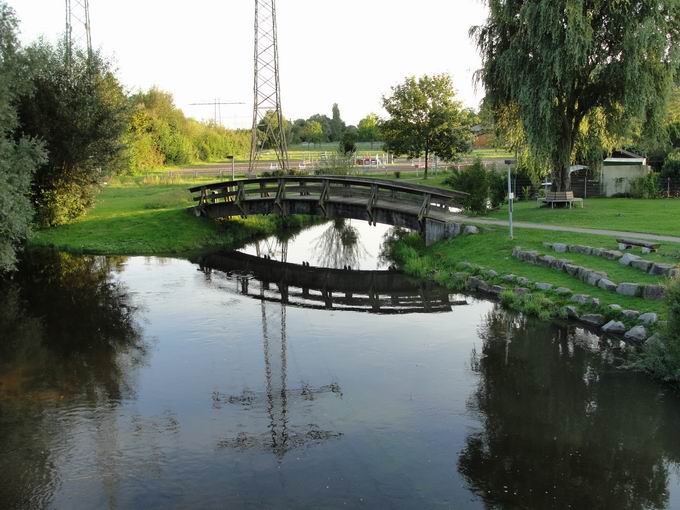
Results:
x,y
511,195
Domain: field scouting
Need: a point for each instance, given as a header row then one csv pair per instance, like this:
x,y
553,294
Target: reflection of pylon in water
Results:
x,y
272,248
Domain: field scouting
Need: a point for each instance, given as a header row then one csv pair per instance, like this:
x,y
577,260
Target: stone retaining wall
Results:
x,y
626,259
590,276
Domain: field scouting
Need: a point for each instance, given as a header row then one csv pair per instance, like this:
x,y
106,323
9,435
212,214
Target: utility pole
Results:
x,y
267,88
78,30
217,109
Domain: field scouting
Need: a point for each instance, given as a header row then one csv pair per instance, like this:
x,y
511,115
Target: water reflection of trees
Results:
x,y
69,338
561,428
339,246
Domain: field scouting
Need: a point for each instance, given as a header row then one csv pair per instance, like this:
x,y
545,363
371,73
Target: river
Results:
x,y
248,380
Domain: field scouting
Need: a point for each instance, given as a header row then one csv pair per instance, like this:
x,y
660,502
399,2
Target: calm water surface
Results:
x,y
236,381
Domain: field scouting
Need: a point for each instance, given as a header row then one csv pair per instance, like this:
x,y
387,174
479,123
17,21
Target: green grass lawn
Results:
x,y
631,215
493,250
138,219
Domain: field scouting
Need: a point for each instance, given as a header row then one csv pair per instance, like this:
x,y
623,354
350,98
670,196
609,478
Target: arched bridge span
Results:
x,y
421,208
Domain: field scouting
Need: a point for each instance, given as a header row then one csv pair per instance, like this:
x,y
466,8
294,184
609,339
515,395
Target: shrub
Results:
x,y
498,188
671,167
473,180
397,174
645,187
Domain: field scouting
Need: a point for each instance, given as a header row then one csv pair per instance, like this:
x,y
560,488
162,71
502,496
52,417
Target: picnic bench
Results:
x,y
559,197
625,244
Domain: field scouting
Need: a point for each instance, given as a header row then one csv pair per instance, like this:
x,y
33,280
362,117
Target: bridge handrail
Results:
x,y
367,182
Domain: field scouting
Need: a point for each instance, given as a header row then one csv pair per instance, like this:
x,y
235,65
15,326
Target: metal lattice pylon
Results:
x,y
268,131
78,33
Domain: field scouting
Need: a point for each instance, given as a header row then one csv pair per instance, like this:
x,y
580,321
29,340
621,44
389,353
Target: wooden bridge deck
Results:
x,y
375,200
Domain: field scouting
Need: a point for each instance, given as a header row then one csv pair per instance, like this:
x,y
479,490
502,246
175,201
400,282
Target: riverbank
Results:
x,y
145,218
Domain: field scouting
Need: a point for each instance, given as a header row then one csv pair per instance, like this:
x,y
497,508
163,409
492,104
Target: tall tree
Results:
x,y
559,61
337,124
425,119
19,155
80,111
369,128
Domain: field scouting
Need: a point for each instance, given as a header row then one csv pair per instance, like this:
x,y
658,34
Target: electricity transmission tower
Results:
x,y
78,33
267,115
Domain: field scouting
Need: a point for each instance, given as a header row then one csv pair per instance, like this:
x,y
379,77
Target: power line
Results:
x,y
217,108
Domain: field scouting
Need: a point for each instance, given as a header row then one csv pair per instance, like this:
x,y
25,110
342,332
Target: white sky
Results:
x,y
345,51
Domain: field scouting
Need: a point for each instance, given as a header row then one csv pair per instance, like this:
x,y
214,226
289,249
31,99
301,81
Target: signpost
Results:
x,y
232,166
511,195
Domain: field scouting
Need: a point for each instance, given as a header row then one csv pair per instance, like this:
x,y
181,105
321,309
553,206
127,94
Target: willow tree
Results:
x,y
560,61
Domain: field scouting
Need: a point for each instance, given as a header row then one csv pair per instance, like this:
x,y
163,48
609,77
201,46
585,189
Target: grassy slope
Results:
x,y
652,216
149,220
493,249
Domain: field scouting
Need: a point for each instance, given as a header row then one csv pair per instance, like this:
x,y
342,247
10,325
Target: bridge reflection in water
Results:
x,y
380,292
281,284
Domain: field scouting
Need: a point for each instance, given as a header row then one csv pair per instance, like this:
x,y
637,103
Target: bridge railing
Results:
x,y
327,188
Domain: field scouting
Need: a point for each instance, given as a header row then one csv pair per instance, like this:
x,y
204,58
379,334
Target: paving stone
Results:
x,y
605,284
544,286
654,292
648,318
629,289
627,259
637,334
593,319
614,327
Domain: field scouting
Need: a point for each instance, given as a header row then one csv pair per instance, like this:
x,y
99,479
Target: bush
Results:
x,y
671,167
645,187
498,188
473,180
397,174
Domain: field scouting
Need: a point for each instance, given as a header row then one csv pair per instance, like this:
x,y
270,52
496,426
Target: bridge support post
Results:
x,y
436,230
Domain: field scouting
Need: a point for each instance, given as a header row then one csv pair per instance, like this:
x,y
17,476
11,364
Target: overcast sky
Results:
x,y
345,51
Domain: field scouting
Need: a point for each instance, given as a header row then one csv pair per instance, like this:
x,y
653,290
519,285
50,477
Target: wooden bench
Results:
x,y
560,197
625,244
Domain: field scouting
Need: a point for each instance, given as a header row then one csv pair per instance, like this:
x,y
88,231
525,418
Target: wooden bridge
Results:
x,y
378,292
421,208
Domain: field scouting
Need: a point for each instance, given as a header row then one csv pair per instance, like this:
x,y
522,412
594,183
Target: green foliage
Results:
x,y
426,119
671,167
312,132
80,111
498,187
474,180
369,129
337,125
645,187
19,155
348,144
560,62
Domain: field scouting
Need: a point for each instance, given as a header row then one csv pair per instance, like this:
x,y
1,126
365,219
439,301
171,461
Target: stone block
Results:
x,y
560,247
629,289
581,299
654,292
659,269
548,245
490,273
572,269
627,259
471,230
605,284
473,282
614,327
615,307
510,278
612,254
522,281
544,286
593,319
546,260
648,318
563,291
637,334
570,311
597,252
593,279
641,265
630,314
